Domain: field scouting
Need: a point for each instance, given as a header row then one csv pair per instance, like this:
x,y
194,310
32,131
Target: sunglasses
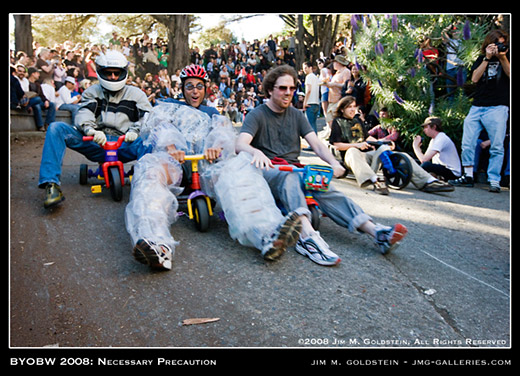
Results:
x,y
111,74
190,87
284,88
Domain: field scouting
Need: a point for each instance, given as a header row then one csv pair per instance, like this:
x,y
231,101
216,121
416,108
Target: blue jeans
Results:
x,y
61,135
494,120
287,188
37,106
312,114
72,108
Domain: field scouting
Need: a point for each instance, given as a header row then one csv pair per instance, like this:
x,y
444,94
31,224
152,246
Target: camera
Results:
x,y
501,47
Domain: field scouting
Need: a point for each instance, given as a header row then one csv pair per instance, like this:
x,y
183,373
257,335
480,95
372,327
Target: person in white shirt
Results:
x,y
441,158
176,77
64,100
21,75
311,102
49,89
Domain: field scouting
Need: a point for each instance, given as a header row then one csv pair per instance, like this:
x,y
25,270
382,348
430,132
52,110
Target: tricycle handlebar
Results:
x,y
194,157
109,145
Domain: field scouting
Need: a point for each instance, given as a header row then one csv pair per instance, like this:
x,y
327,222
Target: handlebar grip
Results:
x,y
285,168
194,157
88,138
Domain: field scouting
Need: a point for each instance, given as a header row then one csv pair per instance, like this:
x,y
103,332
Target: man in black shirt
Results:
x,y
490,109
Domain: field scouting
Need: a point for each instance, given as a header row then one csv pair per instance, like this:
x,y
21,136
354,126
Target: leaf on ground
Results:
x,y
199,321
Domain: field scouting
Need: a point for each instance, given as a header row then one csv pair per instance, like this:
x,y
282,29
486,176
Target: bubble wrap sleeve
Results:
x,y
245,197
152,208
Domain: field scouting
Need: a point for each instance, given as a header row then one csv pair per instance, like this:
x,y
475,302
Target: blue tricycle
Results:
x,y
313,178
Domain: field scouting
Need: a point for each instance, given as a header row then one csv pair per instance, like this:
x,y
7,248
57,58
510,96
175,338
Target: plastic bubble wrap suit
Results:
x,y
246,199
238,187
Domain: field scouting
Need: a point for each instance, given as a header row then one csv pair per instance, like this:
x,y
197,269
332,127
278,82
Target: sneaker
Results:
x,y
494,186
158,256
315,248
285,235
53,195
463,181
438,186
388,238
380,187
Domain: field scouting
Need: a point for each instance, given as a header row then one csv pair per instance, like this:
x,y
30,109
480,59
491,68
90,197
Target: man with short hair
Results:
x,y
311,102
39,103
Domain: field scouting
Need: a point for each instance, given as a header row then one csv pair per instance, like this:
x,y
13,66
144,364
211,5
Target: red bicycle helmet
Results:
x,y
194,71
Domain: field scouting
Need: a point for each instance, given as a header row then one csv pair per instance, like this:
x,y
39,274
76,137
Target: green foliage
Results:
x,y
400,79
214,36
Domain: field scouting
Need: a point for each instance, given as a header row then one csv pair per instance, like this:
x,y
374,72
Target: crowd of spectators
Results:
x,y
236,70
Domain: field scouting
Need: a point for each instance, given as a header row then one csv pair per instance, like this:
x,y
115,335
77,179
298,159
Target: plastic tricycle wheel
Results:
x,y
315,217
201,213
83,174
403,172
116,186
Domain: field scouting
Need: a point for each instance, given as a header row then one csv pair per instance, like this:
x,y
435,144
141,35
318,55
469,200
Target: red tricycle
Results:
x,y
111,171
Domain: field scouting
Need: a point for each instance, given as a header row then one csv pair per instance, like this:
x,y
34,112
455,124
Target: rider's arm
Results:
x,y
86,116
324,153
260,160
176,153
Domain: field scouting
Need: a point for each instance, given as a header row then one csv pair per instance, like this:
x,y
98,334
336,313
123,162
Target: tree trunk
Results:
x,y
23,39
179,44
178,31
300,42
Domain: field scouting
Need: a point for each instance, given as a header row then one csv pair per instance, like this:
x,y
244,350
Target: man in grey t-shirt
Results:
x,y
273,130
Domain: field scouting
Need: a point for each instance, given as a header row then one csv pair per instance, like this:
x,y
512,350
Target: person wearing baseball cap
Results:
x,y
441,157
65,101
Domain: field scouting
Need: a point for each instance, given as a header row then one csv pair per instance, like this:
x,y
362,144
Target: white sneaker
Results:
x,y
315,248
158,256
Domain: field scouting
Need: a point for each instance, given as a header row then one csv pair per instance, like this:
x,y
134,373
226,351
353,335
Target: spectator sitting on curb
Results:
x,y
441,157
348,136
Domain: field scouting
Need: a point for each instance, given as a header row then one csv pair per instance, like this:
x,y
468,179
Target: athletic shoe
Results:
x,y
158,256
315,248
463,181
388,238
494,186
438,186
53,195
285,235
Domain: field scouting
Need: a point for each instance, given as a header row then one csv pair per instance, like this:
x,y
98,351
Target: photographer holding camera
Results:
x,y
490,109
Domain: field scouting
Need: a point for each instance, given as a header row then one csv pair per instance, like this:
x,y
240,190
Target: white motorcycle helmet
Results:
x,y
112,59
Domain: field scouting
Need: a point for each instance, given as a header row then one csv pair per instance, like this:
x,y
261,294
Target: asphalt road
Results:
x,y
74,283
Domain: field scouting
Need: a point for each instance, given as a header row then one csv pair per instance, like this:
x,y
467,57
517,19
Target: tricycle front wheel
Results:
x,y
116,186
201,213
